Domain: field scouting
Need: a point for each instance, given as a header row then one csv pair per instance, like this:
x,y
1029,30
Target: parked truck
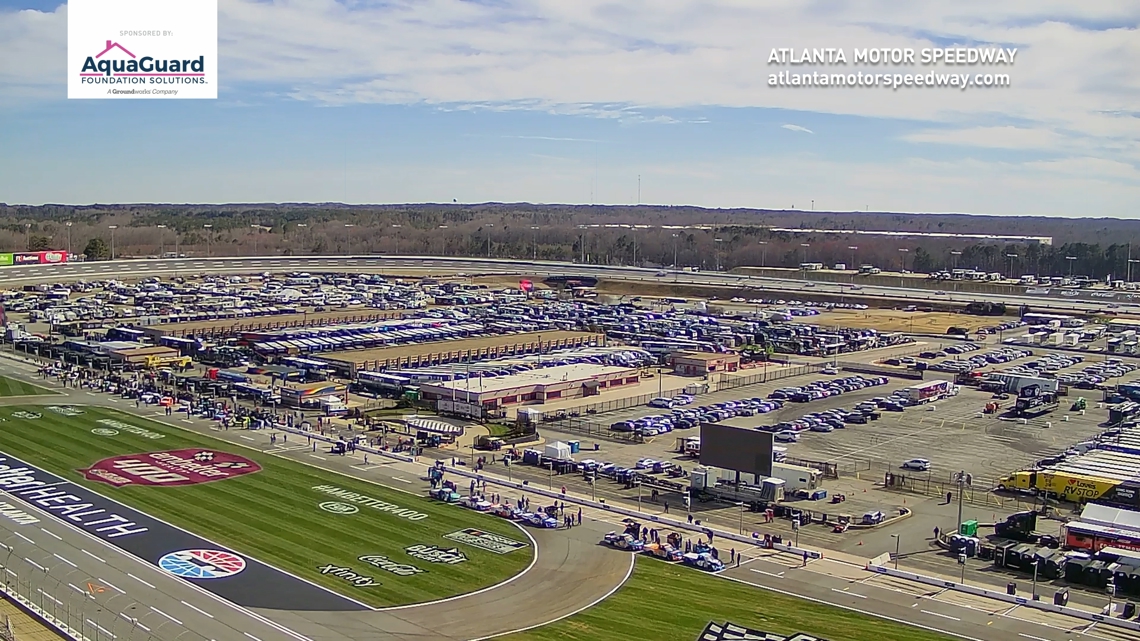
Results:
x,y
927,392
1032,401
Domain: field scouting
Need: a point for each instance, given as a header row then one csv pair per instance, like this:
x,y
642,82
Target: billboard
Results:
x,y
7,259
735,448
35,258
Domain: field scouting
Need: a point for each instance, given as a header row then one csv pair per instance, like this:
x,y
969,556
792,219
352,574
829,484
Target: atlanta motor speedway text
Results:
x,y
960,81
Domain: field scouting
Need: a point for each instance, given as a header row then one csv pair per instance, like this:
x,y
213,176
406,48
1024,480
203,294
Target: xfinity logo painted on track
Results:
x,y
171,468
359,580
103,431
436,554
27,416
388,565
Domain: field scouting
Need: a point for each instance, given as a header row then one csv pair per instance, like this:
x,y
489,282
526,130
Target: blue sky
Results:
x,y
570,102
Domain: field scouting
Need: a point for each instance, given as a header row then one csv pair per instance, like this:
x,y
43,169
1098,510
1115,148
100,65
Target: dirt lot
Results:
x,y
893,320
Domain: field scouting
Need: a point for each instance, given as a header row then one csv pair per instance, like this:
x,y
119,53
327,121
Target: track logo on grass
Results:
x,y
170,468
202,564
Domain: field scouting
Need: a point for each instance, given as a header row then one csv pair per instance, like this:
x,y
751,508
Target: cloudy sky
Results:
x,y
368,101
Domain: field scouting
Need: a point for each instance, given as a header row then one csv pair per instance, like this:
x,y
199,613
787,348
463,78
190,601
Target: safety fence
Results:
x,y
880,370
591,428
767,376
621,403
979,493
74,603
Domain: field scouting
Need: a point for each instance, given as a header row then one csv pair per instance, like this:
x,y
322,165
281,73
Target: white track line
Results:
x,y
165,615
628,573
57,537
140,580
64,560
939,614
108,584
198,610
91,555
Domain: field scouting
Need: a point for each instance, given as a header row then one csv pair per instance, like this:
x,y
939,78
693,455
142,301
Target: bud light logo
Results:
x,y
170,468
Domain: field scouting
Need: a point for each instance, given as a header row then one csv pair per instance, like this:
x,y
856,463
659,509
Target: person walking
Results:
x,y
579,516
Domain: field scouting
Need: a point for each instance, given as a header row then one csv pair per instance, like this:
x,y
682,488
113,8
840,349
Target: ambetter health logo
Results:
x,y
142,49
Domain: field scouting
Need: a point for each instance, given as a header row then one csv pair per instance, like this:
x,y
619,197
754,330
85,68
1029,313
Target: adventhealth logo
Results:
x,y
102,68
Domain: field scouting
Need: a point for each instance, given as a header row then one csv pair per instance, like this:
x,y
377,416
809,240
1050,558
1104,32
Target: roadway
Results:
x,y
17,275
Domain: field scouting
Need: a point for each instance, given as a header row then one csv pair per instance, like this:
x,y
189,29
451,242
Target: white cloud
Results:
x,y
797,128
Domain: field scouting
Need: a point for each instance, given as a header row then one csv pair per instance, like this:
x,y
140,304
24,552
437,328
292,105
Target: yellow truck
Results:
x,y
1066,486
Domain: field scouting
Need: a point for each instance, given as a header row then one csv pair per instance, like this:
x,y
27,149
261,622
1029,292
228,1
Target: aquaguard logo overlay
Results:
x,y
170,468
139,49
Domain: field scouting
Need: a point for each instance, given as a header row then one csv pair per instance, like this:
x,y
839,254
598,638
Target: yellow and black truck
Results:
x,y
1075,487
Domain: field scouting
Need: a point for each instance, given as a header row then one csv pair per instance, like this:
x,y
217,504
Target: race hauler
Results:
x,y
927,392
1032,401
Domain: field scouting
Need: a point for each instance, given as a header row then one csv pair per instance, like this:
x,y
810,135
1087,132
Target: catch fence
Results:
x,y
590,428
74,603
767,376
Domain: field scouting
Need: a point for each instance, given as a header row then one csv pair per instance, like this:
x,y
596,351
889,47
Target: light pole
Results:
x,y
1011,257
489,240
898,542
161,241
963,479
442,242
1131,261
903,251
676,267
638,495
853,248
256,232
955,253
803,254
396,234
741,529
716,245
112,228
209,238
1036,565
27,237
534,242
69,224
1070,259
763,252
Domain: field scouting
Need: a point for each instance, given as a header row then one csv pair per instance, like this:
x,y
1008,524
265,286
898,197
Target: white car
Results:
x,y
645,463
787,436
829,371
918,464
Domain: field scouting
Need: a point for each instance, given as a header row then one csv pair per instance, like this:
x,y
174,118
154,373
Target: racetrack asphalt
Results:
x,y
570,572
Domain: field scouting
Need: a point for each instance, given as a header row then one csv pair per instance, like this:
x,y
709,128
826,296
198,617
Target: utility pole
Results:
x,y
69,223
963,479
112,228
209,239
763,252
676,267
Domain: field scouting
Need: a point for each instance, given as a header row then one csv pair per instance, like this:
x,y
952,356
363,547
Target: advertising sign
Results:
x,y
135,49
7,259
171,468
35,258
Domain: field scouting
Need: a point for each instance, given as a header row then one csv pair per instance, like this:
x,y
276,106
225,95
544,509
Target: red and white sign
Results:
x,y
170,468
40,258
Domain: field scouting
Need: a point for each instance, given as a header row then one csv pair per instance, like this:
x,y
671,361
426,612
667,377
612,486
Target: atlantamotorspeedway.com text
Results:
x,y
960,81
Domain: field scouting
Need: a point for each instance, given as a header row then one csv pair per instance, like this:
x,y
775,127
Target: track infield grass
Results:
x,y
14,387
664,601
273,515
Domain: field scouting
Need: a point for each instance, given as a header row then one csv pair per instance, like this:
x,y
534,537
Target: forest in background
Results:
x,y
643,235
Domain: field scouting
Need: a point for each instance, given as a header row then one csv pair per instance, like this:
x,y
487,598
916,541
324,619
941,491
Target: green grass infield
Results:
x,y
14,387
664,601
276,514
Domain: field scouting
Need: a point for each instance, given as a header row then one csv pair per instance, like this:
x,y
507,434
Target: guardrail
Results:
x,y
1007,598
525,486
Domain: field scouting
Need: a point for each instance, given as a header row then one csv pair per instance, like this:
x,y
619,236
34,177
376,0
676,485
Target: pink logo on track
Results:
x,y
170,468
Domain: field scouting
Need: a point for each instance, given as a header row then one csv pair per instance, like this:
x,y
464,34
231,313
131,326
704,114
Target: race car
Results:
x,y
538,519
663,551
623,542
476,503
447,495
703,561
505,511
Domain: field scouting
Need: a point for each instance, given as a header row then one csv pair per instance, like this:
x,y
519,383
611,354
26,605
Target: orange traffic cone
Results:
x,y
860,543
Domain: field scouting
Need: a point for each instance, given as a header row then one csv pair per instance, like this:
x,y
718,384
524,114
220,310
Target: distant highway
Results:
x,y
749,285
